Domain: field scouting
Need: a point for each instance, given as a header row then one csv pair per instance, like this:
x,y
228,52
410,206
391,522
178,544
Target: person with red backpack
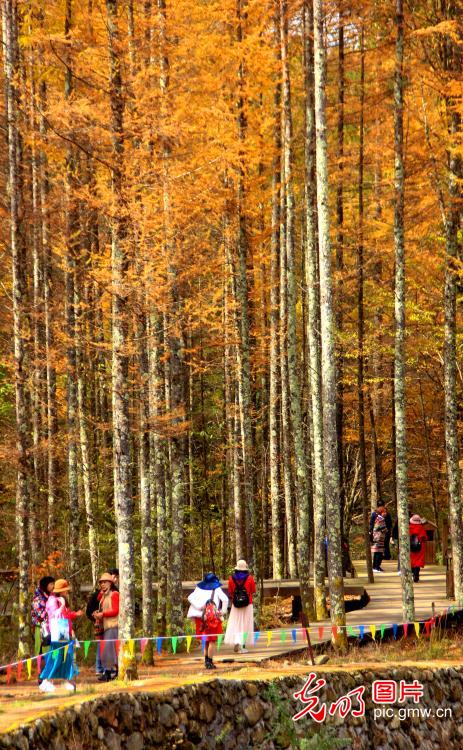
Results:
x,y
208,604
240,626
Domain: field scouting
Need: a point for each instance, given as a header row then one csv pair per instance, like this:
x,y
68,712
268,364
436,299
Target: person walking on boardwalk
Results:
x,y
240,627
208,604
108,614
418,538
60,663
378,536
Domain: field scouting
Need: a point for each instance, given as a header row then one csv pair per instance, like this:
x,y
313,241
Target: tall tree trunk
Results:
x,y
20,332
452,64
174,347
328,362
339,317
286,447
242,299
274,397
302,489
361,319
408,606
313,320
52,409
72,233
157,465
120,357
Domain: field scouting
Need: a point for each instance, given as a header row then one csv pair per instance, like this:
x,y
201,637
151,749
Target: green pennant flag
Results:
x,y
86,648
382,629
283,636
245,638
351,631
55,654
219,641
174,641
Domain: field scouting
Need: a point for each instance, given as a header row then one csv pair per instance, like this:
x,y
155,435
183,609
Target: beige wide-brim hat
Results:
x,y
417,519
61,585
106,577
242,565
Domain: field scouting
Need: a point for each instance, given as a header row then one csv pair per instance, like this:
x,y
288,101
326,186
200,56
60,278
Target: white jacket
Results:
x,y
199,597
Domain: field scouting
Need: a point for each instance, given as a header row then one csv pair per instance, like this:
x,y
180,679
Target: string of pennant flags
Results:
x,y
354,631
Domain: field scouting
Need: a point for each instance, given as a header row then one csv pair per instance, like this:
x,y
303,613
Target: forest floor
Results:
x,y
21,702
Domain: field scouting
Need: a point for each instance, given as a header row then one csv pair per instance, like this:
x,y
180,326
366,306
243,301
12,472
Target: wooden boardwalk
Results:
x,y
385,607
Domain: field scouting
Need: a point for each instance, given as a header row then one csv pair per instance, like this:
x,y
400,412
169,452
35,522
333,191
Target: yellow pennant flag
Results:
x,y
417,628
269,637
66,648
188,643
132,647
373,631
29,668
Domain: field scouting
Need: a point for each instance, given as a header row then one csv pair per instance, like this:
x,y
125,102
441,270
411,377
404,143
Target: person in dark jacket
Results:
x,y
388,521
98,632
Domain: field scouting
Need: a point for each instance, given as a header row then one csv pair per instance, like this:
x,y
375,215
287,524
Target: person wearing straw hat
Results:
x,y
240,627
208,604
108,614
60,661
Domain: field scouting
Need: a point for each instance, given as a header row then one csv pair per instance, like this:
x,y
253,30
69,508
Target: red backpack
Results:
x,y
211,616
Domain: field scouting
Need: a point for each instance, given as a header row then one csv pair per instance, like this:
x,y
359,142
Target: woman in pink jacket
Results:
x,y
62,665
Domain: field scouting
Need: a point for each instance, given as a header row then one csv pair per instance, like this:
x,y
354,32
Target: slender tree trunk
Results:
x,y
313,321
120,357
452,64
157,466
339,317
274,398
399,358
452,229
361,320
328,363
20,332
175,347
72,232
432,486
52,410
286,447
302,490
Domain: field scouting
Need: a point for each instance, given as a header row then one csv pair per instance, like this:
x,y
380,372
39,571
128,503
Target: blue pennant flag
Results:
x,y
256,636
394,629
158,644
203,642
294,634
361,630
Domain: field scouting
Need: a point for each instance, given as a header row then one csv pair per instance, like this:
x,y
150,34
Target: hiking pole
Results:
x,y
305,625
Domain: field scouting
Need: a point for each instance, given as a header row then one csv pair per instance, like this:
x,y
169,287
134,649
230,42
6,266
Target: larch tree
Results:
x,y
328,361
408,606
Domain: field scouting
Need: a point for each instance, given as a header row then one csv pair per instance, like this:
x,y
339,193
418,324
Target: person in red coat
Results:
x,y
418,538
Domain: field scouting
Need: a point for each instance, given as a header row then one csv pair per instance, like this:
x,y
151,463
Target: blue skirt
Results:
x,y
58,666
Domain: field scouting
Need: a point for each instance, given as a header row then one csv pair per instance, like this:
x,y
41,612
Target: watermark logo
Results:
x,y
384,693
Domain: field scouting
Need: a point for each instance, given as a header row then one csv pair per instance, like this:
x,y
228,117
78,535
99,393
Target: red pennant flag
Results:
x,y
39,664
405,629
8,674
320,631
143,643
117,647
101,646
427,626
20,669
334,630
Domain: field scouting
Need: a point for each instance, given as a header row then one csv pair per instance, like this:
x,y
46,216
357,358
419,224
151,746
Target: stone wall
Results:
x,y
235,715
